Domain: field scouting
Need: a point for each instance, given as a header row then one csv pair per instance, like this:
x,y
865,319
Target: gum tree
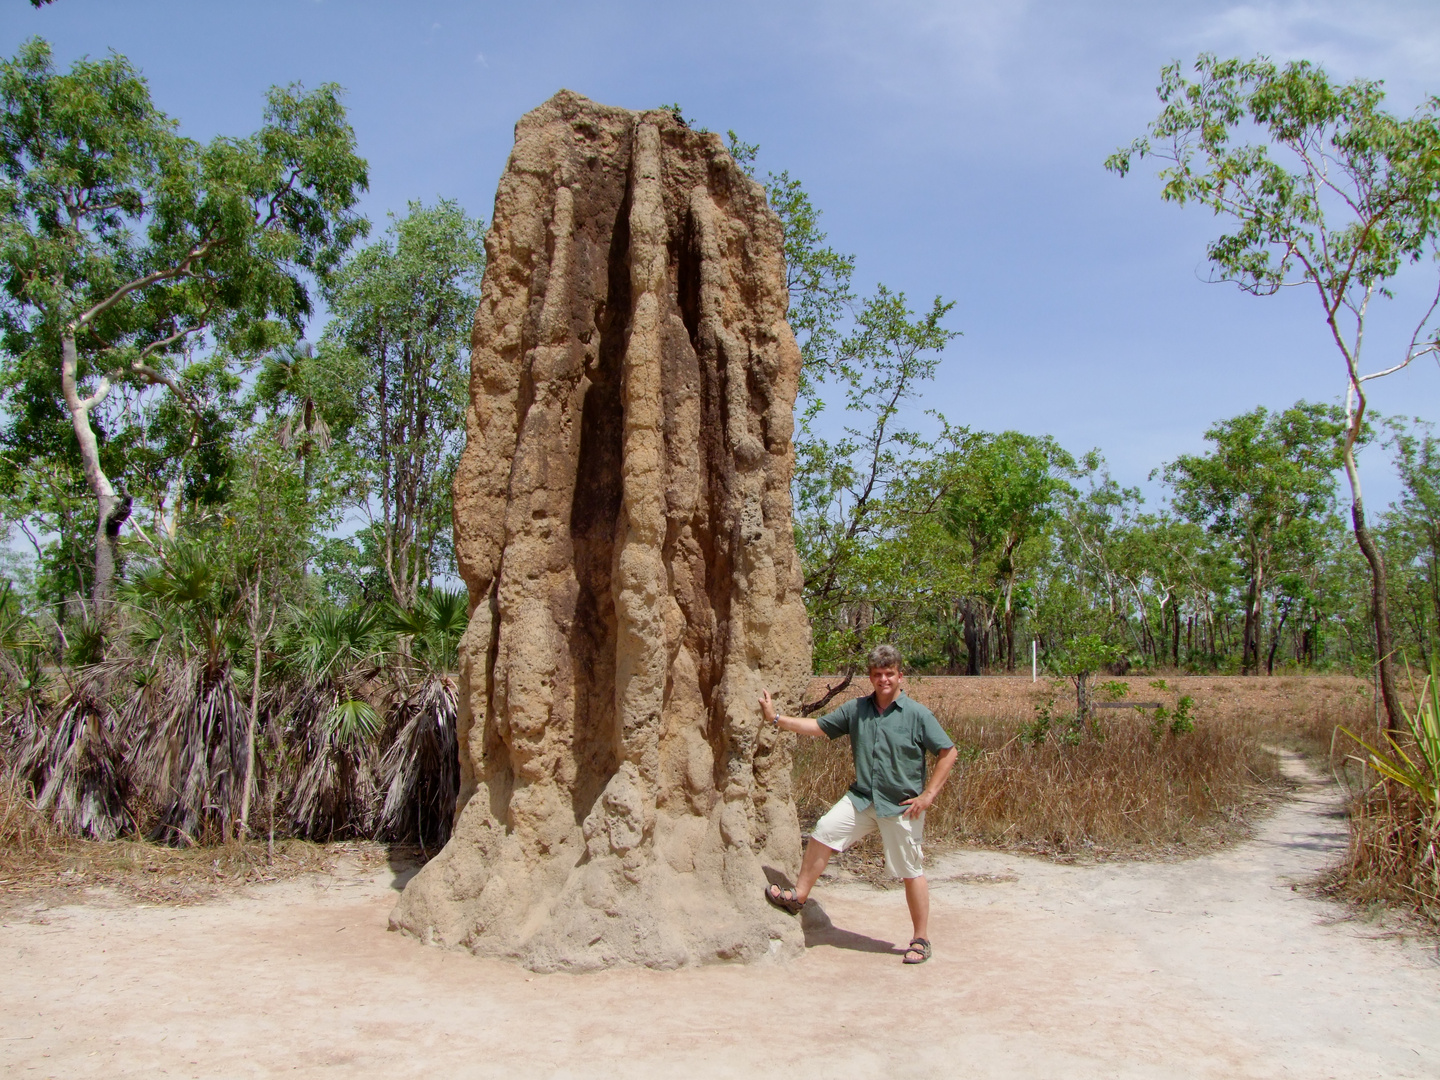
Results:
x,y
1265,488
403,308
125,246
1001,495
1324,191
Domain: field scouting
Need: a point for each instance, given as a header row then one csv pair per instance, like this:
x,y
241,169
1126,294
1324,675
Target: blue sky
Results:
x,y
955,148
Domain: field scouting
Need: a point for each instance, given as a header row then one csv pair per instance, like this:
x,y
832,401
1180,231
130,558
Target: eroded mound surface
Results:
x,y
622,520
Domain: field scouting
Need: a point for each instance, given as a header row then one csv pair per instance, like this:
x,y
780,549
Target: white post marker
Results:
x,y
1034,668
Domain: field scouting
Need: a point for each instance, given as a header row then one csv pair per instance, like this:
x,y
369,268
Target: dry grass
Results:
x,y
1126,795
1391,858
39,863
1117,790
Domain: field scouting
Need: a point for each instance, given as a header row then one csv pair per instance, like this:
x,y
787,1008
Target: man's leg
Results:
x,y
917,896
842,826
904,858
817,857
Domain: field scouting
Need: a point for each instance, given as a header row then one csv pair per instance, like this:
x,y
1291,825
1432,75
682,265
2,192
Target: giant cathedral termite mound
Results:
x,y
623,525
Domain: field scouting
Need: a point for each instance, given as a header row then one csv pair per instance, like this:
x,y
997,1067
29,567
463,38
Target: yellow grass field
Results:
x,y
1118,788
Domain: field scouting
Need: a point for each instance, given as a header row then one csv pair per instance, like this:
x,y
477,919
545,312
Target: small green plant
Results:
x,y
1179,722
1036,731
1159,684
968,751
1113,690
1420,772
1080,658
1183,723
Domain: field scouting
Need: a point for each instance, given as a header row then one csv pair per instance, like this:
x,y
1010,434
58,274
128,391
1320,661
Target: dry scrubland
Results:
x,y
38,861
1117,789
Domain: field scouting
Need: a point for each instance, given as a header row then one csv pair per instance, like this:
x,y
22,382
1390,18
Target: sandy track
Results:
x,y
1208,968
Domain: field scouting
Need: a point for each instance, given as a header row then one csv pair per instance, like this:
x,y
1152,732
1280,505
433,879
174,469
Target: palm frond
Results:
x,y
434,625
420,771
187,728
75,758
353,721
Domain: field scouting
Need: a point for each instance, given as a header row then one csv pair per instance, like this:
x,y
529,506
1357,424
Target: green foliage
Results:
x,y
1416,767
998,498
1268,488
1082,656
1410,536
819,279
353,722
127,250
1180,721
398,342
1332,194
1035,732
843,486
1267,475
1113,690
1379,172
433,626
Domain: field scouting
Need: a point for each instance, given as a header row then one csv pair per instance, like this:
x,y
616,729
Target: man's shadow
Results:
x,y
819,930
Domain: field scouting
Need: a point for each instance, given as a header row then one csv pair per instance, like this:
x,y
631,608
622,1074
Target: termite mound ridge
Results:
x,y
623,525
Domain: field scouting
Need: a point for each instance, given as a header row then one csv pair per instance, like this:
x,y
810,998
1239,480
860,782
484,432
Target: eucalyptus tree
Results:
x,y
125,247
402,312
1333,195
1410,531
842,484
1265,488
1001,496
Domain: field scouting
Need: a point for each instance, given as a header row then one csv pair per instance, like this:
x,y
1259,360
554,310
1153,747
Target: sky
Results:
x,y
955,148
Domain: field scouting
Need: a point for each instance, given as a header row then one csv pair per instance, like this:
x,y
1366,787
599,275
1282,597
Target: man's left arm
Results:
x,y
922,802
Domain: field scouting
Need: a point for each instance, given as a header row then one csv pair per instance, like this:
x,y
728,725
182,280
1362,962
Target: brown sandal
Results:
x,y
790,904
920,947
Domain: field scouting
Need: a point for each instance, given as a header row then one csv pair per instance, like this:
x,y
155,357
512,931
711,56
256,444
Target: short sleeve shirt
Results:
x,y
888,748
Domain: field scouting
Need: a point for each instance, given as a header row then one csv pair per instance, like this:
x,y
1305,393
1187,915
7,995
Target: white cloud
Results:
x,y
480,59
1398,41
906,47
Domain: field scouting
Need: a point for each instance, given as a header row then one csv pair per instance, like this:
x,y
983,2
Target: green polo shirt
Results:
x,y
889,749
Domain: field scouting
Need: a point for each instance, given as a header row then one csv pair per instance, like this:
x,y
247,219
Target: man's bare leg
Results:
x,y
812,864
917,896
817,857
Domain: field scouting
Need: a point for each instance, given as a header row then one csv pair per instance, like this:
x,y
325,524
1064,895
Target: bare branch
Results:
x,y
181,269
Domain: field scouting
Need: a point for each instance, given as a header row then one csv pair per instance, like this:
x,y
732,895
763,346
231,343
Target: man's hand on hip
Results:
x,y
918,805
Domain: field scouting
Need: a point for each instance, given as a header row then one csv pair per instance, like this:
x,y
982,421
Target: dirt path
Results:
x,y
1209,968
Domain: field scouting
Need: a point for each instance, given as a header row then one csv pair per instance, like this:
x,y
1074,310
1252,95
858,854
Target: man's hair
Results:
x,y
883,656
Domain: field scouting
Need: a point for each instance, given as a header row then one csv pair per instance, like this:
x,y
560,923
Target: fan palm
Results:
x,y
187,726
334,657
76,761
288,376
420,770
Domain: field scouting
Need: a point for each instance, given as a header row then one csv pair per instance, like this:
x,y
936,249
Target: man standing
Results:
x,y
889,735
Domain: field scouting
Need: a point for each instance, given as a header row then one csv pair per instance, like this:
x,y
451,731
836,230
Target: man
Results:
x,y
889,735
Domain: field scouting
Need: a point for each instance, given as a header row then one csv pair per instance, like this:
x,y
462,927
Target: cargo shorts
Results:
x,y
843,827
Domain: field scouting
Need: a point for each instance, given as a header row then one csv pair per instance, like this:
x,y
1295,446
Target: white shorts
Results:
x,y
843,827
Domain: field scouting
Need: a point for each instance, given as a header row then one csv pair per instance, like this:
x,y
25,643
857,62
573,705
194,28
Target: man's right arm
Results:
x,y
801,725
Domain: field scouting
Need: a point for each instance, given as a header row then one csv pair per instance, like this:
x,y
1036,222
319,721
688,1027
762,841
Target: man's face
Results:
x,y
885,680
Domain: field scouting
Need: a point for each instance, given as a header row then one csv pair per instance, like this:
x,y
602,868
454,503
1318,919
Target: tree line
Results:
x,y
227,581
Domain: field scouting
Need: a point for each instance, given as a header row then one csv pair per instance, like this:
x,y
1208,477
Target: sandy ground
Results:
x,y
1210,968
